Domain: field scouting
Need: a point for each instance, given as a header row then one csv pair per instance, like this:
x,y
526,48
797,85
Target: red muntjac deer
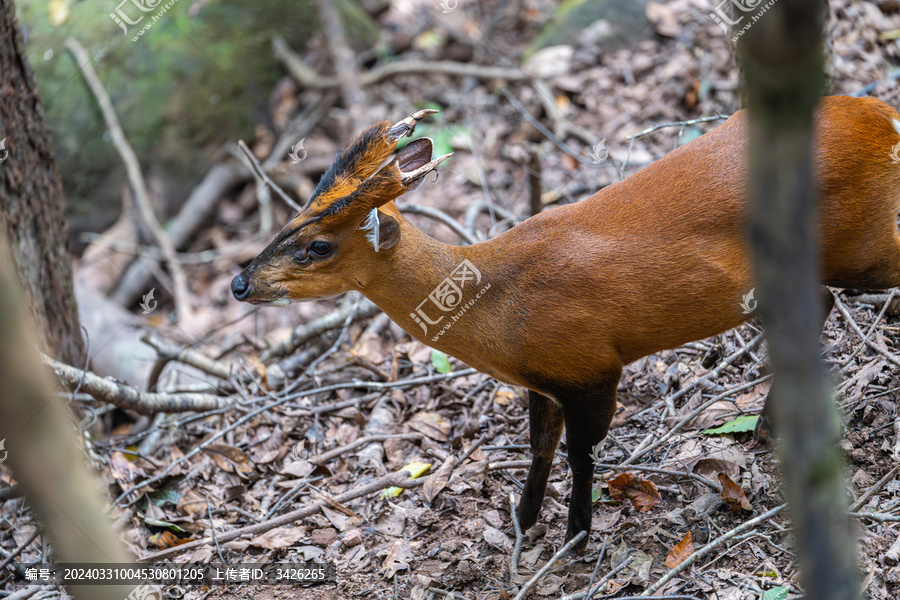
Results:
x,y
560,302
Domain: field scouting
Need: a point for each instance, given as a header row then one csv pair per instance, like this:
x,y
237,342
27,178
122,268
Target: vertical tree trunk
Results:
x,y
44,453
782,61
31,201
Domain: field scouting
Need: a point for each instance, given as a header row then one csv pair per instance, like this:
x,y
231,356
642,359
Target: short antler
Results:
x,y
408,125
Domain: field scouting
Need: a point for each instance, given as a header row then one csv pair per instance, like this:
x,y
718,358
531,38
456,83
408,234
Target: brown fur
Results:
x,y
646,264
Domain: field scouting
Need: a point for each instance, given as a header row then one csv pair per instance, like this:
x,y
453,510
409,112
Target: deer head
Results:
x,y
346,225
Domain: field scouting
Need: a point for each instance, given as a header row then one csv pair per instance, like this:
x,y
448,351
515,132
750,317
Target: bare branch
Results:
x,y
135,178
123,396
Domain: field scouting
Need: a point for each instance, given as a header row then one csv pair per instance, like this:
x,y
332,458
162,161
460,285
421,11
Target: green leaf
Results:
x,y
595,494
416,469
739,425
391,492
778,593
164,496
166,524
440,361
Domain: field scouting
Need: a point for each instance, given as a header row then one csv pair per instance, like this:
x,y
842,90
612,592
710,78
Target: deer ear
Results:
x,y
382,231
389,232
415,154
414,162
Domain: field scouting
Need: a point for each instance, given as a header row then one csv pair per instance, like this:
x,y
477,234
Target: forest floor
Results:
x,y
358,401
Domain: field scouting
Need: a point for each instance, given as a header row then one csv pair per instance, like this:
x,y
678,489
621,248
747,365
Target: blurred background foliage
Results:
x,y
201,76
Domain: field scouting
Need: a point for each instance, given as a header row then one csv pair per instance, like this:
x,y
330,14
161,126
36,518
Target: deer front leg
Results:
x,y
545,421
587,420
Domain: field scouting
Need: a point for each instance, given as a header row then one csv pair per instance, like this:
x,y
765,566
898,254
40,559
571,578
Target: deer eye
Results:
x,y
320,248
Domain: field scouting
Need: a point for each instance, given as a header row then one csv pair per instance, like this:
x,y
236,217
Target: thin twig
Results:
x,y
549,564
12,555
327,457
842,308
546,132
590,592
135,178
650,130
317,327
398,479
874,516
677,427
700,553
165,472
212,528
869,333
600,558
694,476
874,489
309,78
476,208
258,170
514,559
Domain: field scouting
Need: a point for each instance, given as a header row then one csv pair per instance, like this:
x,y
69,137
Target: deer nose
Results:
x,y
240,287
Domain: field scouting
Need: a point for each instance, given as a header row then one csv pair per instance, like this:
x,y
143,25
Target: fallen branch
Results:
x,y
169,352
442,217
309,78
889,476
123,396
874,516
308,331
398,479
195,211
327,457
342,56
136,179
891,299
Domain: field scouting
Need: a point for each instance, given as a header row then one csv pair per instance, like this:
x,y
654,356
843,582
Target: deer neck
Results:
x,y
426,287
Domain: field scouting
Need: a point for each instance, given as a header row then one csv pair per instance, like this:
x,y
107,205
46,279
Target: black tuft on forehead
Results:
x,y
352,159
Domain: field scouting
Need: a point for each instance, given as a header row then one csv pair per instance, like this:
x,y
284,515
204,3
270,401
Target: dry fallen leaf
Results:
x,y
711,467
642,493
279,538
438,480
431,424
229,458
497,539
165,539
123,469
679,553
397,559
192,504
733,495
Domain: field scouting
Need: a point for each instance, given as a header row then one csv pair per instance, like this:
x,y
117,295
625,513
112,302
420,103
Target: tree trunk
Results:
x,y
44,452
31,202
782,60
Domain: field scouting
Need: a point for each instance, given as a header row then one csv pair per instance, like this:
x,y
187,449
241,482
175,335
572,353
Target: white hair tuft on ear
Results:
x,y
372,226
